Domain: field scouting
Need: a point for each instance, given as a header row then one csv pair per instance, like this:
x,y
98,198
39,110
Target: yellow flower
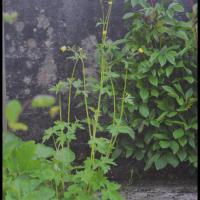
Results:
x,y
141,50
63,48
110,2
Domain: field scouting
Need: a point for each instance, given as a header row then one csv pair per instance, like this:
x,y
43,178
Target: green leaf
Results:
x,y
154,56
144,110
181,34
182,141
144,93
162,60
127,130
154,92
13,110
182,155
43,151
170,91
169,71
189,79
174,146
161,163
18,126
139,155
178,133
162,136
128,15
64,155
172,160
164,144
153,80
42,101
151,160
176,7
170,57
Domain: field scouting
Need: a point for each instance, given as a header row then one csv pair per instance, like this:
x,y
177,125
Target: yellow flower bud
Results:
x,y
141,50
63,48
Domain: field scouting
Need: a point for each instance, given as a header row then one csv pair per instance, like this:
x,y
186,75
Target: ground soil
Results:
x,y
160,190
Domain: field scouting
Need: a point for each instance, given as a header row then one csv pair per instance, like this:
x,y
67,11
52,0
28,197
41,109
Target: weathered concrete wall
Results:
x,y
33,60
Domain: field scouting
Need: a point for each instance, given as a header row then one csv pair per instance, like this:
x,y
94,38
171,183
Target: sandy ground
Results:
x,y
160,191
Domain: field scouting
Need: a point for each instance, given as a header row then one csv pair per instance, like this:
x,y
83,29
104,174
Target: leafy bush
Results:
x,y
161,98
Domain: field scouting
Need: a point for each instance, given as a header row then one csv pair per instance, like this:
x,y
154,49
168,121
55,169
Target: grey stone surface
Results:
x,y
160,191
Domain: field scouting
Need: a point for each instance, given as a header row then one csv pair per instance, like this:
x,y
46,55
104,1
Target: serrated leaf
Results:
x,y
178,133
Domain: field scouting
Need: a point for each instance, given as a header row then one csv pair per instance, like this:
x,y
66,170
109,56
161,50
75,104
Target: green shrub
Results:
x,y
161,98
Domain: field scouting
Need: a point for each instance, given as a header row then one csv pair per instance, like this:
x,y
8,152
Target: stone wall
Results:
x,y
33,60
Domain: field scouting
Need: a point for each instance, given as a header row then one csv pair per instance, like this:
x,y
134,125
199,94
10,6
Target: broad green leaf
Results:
x,y
174,146
144,110
161,162
139,155
153,80
42,101
172,160
154,56
182,141
17,126
162,136
43,151
162,60
164,144
13,110
151,160
154,92
128,15
169,71
144,93
64,155
182,155
178,133
170,57
189,79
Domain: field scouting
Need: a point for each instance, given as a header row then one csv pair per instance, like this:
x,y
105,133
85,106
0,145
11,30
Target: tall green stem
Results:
x,y
60,105
85,97
70,91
